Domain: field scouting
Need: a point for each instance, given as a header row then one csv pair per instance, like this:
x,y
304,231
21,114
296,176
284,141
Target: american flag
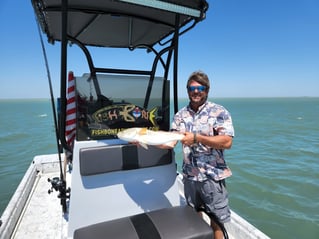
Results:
x,y
70,111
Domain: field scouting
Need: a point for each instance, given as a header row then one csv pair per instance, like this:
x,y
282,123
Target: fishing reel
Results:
x,y
56,184
59,185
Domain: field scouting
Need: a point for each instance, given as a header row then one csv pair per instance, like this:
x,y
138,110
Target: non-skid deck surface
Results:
x,y
43,216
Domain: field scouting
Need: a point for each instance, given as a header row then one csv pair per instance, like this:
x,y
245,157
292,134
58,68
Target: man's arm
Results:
x,y
216,142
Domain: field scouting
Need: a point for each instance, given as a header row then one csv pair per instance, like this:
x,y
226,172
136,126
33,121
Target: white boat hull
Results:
x,y
33,213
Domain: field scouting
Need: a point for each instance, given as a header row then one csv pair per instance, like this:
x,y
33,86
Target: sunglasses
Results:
x,y
199,88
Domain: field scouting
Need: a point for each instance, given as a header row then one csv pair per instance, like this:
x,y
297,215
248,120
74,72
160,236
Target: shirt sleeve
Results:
x,y
224,124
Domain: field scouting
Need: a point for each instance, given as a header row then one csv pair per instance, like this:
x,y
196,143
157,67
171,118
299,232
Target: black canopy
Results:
x,y
118,23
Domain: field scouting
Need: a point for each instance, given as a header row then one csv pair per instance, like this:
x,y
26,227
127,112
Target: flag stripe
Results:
x,y
70,126
71,111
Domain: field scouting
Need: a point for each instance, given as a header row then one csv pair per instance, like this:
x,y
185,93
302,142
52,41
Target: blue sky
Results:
x,y
249,48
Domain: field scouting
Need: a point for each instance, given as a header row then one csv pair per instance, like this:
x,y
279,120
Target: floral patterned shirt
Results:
x,y
201,161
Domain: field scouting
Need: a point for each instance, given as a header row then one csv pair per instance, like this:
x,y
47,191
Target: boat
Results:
x,y
96,185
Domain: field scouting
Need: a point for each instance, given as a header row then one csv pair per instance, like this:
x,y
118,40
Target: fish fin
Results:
x,y
142,131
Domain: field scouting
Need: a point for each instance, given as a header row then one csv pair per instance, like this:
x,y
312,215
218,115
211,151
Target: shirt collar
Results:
x,y
199,108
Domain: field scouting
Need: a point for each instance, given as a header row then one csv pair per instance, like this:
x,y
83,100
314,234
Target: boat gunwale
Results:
x,y
15,207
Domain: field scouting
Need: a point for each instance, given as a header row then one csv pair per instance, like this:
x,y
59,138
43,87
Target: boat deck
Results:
x,y
43,216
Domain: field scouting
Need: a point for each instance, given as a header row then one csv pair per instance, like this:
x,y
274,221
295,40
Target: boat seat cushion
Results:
x,y
180,222
105,159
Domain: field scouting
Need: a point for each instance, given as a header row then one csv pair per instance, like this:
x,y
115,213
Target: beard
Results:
x,y
197,99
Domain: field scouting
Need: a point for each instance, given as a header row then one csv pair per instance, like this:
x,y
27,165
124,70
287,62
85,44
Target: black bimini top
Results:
x,y
117,23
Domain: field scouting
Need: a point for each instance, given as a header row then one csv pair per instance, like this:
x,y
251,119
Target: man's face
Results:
x,y
197,93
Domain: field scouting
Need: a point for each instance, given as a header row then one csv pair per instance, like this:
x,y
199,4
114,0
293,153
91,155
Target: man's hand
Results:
x,y
188,139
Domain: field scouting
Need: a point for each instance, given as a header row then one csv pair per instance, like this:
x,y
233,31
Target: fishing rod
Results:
x,y
57,183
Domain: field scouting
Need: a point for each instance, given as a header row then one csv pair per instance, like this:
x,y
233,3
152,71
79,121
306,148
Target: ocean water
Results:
x,y
274,158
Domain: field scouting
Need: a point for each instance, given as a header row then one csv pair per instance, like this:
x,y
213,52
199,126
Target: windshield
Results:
x,y
109,103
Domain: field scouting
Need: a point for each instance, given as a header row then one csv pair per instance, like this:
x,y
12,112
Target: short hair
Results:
x,y
200,77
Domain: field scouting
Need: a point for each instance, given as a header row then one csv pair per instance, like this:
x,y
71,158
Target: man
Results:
x,y
208,130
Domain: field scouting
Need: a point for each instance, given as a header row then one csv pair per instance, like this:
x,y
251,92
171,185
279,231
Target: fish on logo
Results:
x,y
137,113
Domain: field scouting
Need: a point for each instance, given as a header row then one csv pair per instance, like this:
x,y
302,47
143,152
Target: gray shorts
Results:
x,y
210,195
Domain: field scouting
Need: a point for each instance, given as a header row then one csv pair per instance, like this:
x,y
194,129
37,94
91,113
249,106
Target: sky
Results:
x,y
248,48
